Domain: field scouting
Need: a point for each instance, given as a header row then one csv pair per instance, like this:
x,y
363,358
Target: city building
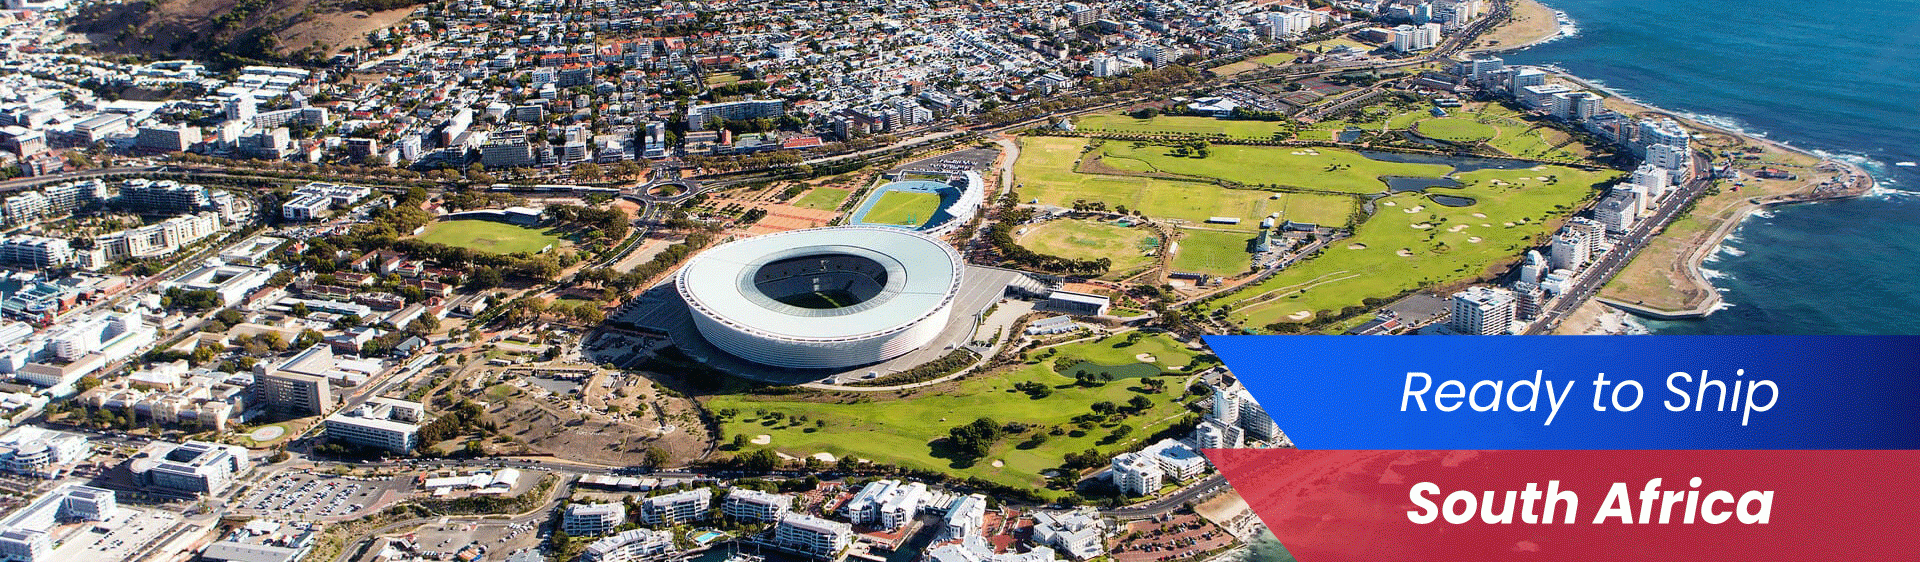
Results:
x,y
745,504
26,534
635,545
676,508
382,423
701,116
35,251
1482,311
194,467
299,386
1079,533
964,517
41,453
593,519
811,536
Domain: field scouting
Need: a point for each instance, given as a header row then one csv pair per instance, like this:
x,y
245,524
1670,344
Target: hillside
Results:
x,y
233,31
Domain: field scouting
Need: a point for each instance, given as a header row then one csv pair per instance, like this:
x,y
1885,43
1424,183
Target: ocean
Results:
x,y
1838,78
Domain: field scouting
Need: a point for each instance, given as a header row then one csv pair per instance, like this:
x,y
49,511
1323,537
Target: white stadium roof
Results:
x,y
922,276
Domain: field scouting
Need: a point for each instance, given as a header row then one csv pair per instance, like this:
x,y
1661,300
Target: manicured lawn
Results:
x,y
822,198
1441,244
906,432
1046,171
1179,124
1091,240
1455,129
1324,169
910,208
1215,253
489,236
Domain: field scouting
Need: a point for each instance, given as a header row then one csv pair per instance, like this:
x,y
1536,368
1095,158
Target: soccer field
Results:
x,y
489,236
905,208
1213,253
822,198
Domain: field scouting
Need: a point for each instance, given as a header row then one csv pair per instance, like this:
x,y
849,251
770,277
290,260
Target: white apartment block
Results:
x,y
811,536
753,505
593,519
676,508
635,545
1482,311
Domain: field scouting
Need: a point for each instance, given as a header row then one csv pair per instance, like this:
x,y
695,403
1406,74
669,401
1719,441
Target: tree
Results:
x,y
87,383
1140,403
655,458
588,171
739,442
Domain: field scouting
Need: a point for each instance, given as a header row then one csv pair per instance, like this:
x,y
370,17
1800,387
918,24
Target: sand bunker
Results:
x,y
762,439
1302,315
1422,225
1457,228
1473,239
1479,215
1390,203
1405,253
1356,246
1145,358
825,457
1485,225
998,464
1509,225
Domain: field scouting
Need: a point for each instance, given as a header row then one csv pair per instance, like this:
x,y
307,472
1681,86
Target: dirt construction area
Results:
x,y
589,415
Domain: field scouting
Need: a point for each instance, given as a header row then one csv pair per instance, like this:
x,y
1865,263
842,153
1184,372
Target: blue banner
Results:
x,y
1584,392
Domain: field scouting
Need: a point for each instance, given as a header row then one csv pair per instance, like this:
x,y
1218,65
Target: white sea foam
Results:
x,y
1763,213
1906,164
1732,251
1712,274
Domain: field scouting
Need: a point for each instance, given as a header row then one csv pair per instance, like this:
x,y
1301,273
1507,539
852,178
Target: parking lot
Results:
x,y
129,532
443,539
294,495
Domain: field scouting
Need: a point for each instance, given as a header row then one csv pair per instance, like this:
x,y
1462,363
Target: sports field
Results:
x,y
1323,169
822,198
910,432
1179,124
1213,253
489,236
1092,240
1411,242
908,208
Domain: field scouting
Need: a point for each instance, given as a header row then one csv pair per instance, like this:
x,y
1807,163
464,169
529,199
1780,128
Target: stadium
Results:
x,y
936,207
824,298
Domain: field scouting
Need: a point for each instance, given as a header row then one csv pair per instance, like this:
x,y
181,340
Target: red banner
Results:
x,y
1694,506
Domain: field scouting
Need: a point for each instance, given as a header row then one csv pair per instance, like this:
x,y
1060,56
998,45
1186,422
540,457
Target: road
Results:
x,y
1596,275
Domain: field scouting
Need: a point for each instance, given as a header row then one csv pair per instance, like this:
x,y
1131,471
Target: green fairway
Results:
x,y
489,236
1322,169
1454,129
1214,253
1179,125
822,198
1091,240
1046,167
908,432
1411,242
908,208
